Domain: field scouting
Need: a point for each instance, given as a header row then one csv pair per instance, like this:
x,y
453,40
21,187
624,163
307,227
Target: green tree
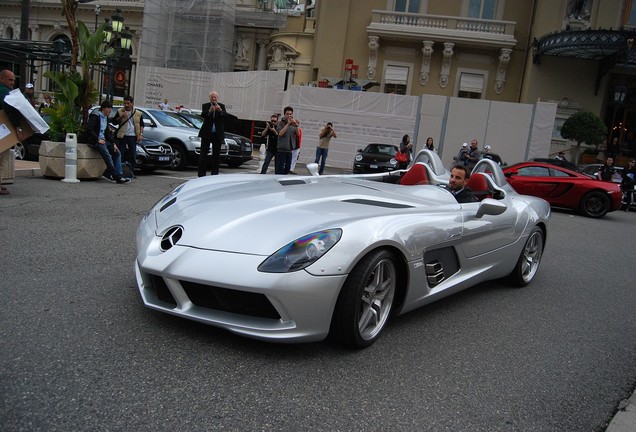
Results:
x,y
584,127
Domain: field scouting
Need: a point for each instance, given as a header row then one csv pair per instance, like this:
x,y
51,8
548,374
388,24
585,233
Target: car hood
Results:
x,y
258,216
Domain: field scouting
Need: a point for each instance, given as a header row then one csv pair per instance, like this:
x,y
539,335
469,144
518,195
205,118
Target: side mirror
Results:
x,y
313,169
147,123
509,174
490,207
359,150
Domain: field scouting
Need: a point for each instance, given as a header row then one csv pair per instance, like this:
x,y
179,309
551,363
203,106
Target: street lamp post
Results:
x,y
121,40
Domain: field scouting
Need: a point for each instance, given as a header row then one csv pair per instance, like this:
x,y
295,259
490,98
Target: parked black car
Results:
x,y
236,152
375,158
153,155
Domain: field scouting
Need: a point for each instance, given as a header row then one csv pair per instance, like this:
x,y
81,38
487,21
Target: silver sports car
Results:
x,y
296,259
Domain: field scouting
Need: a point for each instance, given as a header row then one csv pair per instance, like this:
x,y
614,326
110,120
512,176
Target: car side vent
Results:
x,y
377,203
434,273
291,182
168,204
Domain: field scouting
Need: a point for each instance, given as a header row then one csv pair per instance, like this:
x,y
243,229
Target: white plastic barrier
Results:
x,y
70,168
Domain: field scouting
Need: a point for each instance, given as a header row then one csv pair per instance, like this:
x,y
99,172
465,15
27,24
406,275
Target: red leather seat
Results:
x,y
478,184
416,175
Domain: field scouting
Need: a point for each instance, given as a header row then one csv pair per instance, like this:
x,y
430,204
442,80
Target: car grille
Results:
x,y
217,298
158,150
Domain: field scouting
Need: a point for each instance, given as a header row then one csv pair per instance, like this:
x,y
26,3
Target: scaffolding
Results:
x,y
195,35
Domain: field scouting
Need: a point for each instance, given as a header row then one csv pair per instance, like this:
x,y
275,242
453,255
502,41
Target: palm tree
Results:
x,y
69,7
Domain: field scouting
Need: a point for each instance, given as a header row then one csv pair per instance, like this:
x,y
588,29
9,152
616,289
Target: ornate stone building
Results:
x,y
500,50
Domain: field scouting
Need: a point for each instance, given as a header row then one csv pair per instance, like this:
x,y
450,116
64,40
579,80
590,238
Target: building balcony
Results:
x,y
481,33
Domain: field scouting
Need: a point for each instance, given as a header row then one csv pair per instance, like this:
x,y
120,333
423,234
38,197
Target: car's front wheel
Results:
x,y
529,260
595,204
20,151
366,300
179,157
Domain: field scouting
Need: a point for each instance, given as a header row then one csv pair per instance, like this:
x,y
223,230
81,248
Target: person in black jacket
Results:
x,y
212,131
272,141
606,172
98,137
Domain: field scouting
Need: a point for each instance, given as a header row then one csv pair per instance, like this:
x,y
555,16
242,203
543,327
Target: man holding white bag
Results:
x,y
7,81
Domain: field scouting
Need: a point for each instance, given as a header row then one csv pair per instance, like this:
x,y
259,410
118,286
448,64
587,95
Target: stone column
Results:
x,y
262,54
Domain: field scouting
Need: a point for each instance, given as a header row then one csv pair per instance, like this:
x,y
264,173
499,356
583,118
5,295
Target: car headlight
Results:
x,y
358,158
140,149
393,161
194,138
301,252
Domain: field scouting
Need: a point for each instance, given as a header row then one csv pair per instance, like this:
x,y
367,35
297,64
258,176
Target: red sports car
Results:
x,y
564,188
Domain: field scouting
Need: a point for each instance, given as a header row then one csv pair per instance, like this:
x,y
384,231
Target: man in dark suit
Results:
x,y
457,185
212,131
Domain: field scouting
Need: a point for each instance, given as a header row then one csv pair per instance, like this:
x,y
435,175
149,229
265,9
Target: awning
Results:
x,y
470,82
612,48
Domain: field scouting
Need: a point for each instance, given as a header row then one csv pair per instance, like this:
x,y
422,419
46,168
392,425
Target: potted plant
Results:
x,y
584,126
75,93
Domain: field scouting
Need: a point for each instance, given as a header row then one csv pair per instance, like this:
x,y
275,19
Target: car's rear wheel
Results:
x,y
234,164
180,157
529,260
365,301
595,204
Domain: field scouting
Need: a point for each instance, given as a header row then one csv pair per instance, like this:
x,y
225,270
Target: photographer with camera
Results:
x,y
287,131
272,141
324,137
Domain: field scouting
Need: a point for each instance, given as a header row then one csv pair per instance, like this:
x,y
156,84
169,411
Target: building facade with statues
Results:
x,y
575,53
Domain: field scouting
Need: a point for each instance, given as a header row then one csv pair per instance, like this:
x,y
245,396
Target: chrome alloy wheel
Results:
x,y
531,257
377,299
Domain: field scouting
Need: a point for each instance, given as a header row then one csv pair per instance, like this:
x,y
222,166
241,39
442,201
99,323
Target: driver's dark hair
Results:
x,y
463,168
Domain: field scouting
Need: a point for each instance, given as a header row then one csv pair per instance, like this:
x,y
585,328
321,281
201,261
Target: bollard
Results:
x,y
70,168
261,158
313,169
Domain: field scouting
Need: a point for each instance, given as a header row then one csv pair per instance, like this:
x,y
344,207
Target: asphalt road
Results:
x,y
79,352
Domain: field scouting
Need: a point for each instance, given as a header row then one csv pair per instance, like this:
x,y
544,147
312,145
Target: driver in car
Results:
x,y
457,185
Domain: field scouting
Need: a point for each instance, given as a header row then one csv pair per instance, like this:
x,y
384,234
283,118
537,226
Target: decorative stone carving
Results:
x,y
282,57
427,52
504,59
242,49
374,45
446,64
577,14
